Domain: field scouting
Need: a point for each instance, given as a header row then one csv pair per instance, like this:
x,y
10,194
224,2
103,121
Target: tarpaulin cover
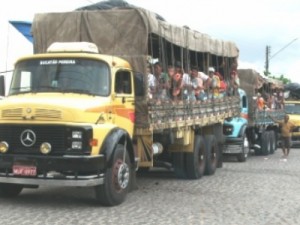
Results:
x,y
121,32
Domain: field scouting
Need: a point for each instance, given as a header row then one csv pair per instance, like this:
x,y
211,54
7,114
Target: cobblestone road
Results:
x,y
261,191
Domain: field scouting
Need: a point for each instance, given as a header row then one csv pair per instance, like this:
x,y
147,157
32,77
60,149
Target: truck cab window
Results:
x,y
123,82
22,83
244,102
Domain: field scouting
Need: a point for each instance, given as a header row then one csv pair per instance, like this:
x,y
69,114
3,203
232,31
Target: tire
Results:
x,y
143,170
275,140
245,150
195,161
220,156
179,165
211,154
10,190
257,151
272,142
117,181
265,143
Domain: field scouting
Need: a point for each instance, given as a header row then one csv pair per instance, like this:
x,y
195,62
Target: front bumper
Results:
x,y
233,146
295,140
54,170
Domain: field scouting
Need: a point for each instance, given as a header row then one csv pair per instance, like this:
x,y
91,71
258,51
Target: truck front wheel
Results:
x,y
245,150
117,179
10,190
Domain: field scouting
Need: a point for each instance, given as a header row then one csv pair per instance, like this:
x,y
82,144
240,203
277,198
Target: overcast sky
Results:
x,y
250,24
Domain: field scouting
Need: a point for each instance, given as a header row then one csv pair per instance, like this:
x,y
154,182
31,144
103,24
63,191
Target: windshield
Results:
x,y
72,75
292,108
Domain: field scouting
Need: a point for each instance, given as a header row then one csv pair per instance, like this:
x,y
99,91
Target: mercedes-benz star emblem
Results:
x,y
28,138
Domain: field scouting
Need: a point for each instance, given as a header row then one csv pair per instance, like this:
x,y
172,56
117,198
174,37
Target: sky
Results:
x,y
251,25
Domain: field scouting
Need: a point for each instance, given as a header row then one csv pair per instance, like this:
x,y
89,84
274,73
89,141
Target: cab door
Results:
x,y
123,100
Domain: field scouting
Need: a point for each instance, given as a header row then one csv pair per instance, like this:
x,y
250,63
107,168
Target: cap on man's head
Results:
x,y
211,69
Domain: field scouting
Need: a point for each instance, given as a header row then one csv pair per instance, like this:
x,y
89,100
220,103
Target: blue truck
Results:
x,y
234,130
253,129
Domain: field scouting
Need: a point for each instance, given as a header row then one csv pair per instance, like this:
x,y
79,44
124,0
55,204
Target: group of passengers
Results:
x,y
273,100
195,85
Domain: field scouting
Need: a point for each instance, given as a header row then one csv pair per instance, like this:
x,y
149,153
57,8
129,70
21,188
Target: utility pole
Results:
x,y
269,57
268,51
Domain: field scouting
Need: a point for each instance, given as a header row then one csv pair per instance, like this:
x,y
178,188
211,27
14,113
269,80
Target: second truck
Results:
x,y
253,129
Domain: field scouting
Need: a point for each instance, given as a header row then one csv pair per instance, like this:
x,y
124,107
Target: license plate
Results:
x,y
23,170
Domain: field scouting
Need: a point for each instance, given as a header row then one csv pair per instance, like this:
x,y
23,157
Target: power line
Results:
x,y
284,47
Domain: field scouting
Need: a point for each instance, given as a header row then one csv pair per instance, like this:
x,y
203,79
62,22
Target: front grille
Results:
x,y
42,114
47,114
57,135
11,113
296,129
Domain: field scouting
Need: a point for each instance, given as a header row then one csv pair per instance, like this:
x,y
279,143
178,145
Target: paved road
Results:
x,y
261,191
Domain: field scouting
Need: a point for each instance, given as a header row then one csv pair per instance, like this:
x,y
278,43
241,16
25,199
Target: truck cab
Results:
x,y
68,120
234,130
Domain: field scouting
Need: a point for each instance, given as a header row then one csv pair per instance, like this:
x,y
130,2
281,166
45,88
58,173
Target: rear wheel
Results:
x,y
211,154
179,164
272,142
195,161
117,181
276,140
10,190
265,143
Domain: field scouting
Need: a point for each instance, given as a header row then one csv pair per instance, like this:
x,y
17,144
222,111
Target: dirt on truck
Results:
x,y
79,113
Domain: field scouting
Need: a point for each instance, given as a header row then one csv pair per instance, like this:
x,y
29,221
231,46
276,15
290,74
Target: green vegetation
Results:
x,y
281,77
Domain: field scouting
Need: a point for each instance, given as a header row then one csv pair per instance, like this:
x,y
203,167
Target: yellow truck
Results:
x,y
78,111
292,108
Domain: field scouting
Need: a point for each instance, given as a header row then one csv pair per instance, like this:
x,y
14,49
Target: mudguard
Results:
x,y
114,137
242,130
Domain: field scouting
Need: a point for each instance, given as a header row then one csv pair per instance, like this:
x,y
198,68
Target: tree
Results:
x,y
281,77
284,79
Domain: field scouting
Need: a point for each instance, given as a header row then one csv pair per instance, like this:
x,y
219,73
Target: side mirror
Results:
x,y
2,86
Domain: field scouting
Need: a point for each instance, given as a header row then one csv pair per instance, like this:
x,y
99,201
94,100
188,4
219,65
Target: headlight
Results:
x,y
3,146
45,148
76,145
77,134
